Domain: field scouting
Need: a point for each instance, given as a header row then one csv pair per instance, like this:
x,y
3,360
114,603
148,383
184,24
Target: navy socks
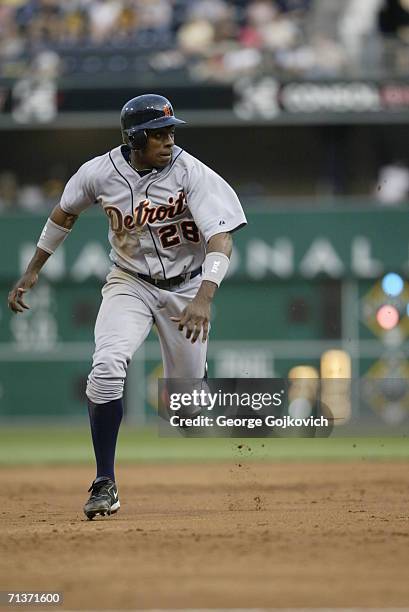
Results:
x,y
105,420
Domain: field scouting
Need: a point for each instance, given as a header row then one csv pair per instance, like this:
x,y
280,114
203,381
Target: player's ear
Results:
x,y
135,139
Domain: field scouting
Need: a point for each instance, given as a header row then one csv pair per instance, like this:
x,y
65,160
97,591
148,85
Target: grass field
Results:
x,y
51,445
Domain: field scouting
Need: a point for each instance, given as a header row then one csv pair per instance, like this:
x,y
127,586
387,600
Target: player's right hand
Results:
x,y
15,299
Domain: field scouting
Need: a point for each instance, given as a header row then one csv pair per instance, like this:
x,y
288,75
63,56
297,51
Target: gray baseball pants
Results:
x,y
129,309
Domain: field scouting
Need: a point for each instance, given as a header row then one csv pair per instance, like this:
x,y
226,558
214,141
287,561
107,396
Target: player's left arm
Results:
x,y
196,316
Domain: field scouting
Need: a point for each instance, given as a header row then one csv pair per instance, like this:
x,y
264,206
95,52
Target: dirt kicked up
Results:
x,y
239,535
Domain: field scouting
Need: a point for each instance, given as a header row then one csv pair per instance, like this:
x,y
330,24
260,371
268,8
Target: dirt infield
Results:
x,y
228,535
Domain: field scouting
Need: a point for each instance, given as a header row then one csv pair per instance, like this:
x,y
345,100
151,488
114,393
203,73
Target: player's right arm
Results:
x,y
78,195
16,302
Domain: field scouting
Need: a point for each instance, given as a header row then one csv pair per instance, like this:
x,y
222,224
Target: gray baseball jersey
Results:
x,y
160,222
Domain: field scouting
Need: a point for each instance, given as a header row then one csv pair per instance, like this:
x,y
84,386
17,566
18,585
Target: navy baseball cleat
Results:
x,y
103,499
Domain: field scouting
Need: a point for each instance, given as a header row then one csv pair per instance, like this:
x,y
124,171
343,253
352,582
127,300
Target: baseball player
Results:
x,y
170,224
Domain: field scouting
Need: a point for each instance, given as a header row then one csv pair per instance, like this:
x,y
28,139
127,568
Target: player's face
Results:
x,y
158,151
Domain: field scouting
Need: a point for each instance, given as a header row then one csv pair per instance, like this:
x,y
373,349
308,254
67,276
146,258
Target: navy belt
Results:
x,y
163,283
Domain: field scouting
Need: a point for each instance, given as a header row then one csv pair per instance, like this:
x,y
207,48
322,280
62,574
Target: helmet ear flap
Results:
x,y
137,139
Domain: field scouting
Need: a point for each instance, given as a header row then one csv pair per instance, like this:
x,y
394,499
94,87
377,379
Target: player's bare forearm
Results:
x,y
37,261
16,302
62,218
220,243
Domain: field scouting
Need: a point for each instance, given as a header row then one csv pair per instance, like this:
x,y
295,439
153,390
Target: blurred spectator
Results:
x,y
154,15
210,10
393,184
15,195
275,29
8,192
12,42
324,18
221,39
35,95
322,57
54,184
196,36
357,29
31,199
103,16
394,18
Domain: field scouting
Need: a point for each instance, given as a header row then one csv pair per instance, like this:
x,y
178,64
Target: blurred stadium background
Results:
x,y
302,105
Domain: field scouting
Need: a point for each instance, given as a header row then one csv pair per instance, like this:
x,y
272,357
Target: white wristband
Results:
x,y
215,267
52,236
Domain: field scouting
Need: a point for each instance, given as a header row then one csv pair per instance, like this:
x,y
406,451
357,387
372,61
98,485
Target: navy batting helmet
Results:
x,y
147,112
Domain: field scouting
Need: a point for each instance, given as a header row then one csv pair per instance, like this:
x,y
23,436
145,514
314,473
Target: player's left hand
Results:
x,y
195,317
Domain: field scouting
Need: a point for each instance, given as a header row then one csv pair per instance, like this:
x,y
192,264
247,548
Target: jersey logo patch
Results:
x,y
222,222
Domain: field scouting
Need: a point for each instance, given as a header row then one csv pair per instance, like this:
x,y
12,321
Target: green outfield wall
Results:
x,y
281,244
301,281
